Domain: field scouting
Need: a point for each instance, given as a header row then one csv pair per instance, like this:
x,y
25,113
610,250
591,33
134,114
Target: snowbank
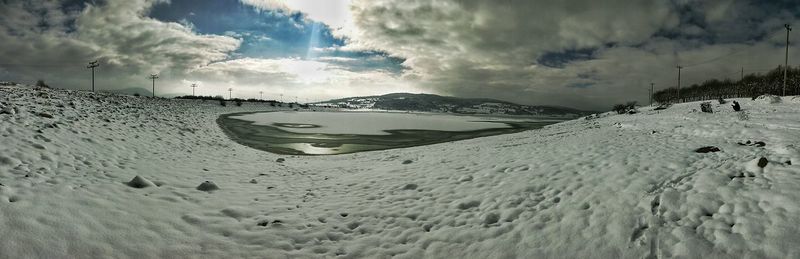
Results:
x,y
615,186
768,99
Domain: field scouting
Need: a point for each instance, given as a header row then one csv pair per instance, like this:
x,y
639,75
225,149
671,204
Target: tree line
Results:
x,y
751,85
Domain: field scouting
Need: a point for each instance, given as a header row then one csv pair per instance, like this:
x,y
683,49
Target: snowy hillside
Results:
x,y
610,186
449,104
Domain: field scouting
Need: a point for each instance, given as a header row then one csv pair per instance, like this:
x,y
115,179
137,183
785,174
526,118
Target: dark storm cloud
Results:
x,y
535,51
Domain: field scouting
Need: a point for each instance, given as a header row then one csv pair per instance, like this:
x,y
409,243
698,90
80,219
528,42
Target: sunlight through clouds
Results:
x,y
334,13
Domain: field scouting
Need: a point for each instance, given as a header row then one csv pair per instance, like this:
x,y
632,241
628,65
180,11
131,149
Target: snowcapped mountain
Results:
x,y
448,104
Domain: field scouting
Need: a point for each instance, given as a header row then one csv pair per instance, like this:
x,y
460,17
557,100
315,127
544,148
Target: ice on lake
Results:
x,y
368,123
329,133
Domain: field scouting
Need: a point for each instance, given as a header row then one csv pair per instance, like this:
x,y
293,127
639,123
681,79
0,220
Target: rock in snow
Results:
x,y
707,149
762,162
140,182
45,115
207,186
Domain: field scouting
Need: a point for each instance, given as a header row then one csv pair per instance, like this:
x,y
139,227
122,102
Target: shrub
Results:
x,y
722,101
706,107
629,108
40,84
238,102
136,94
619,108
222,102
663,106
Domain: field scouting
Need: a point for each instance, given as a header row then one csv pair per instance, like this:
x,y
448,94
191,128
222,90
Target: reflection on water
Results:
x,y
326,149
297,125
276,137
368,123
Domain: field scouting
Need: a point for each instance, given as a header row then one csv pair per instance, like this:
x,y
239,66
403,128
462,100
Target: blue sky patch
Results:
x,y
581,85
271,33
560,59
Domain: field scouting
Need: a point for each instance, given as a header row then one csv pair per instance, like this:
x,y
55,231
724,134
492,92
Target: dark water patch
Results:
x,y
276,140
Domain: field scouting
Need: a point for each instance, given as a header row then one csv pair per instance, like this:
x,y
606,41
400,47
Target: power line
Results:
x,y
717,58
679,82
154,77
786,61
92,65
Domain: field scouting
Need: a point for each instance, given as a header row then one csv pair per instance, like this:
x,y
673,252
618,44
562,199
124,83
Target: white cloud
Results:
x,y
334,13
128,44
490,48
459,47
295,77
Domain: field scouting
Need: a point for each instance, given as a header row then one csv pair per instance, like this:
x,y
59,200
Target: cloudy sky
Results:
x,y
580,53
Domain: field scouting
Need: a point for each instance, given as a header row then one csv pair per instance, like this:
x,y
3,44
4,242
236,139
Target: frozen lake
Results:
x,y
327,133
368,123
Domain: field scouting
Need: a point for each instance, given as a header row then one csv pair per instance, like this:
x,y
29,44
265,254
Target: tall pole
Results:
x,y
230,93
679,82
786,61
261,95
741,84
193,87
93,65
154,77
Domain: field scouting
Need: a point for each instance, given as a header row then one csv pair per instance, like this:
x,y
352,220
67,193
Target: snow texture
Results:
x,y
606,186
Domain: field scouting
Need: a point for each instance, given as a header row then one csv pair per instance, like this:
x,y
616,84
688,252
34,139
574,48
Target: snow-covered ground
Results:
x,y
369,123
614,186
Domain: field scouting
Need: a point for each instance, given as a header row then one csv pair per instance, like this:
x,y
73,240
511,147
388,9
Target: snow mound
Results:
x,y
768,99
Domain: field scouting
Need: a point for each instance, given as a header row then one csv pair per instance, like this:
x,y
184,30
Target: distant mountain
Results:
x,y
130,91
436,103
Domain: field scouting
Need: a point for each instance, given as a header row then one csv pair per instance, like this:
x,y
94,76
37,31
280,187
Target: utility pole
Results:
x,y
651,93
786,61
93,65
679,82
261,95
230,93
741,83
154,77
193,87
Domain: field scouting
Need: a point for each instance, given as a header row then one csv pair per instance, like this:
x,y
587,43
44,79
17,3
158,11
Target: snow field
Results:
x,y
613,186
